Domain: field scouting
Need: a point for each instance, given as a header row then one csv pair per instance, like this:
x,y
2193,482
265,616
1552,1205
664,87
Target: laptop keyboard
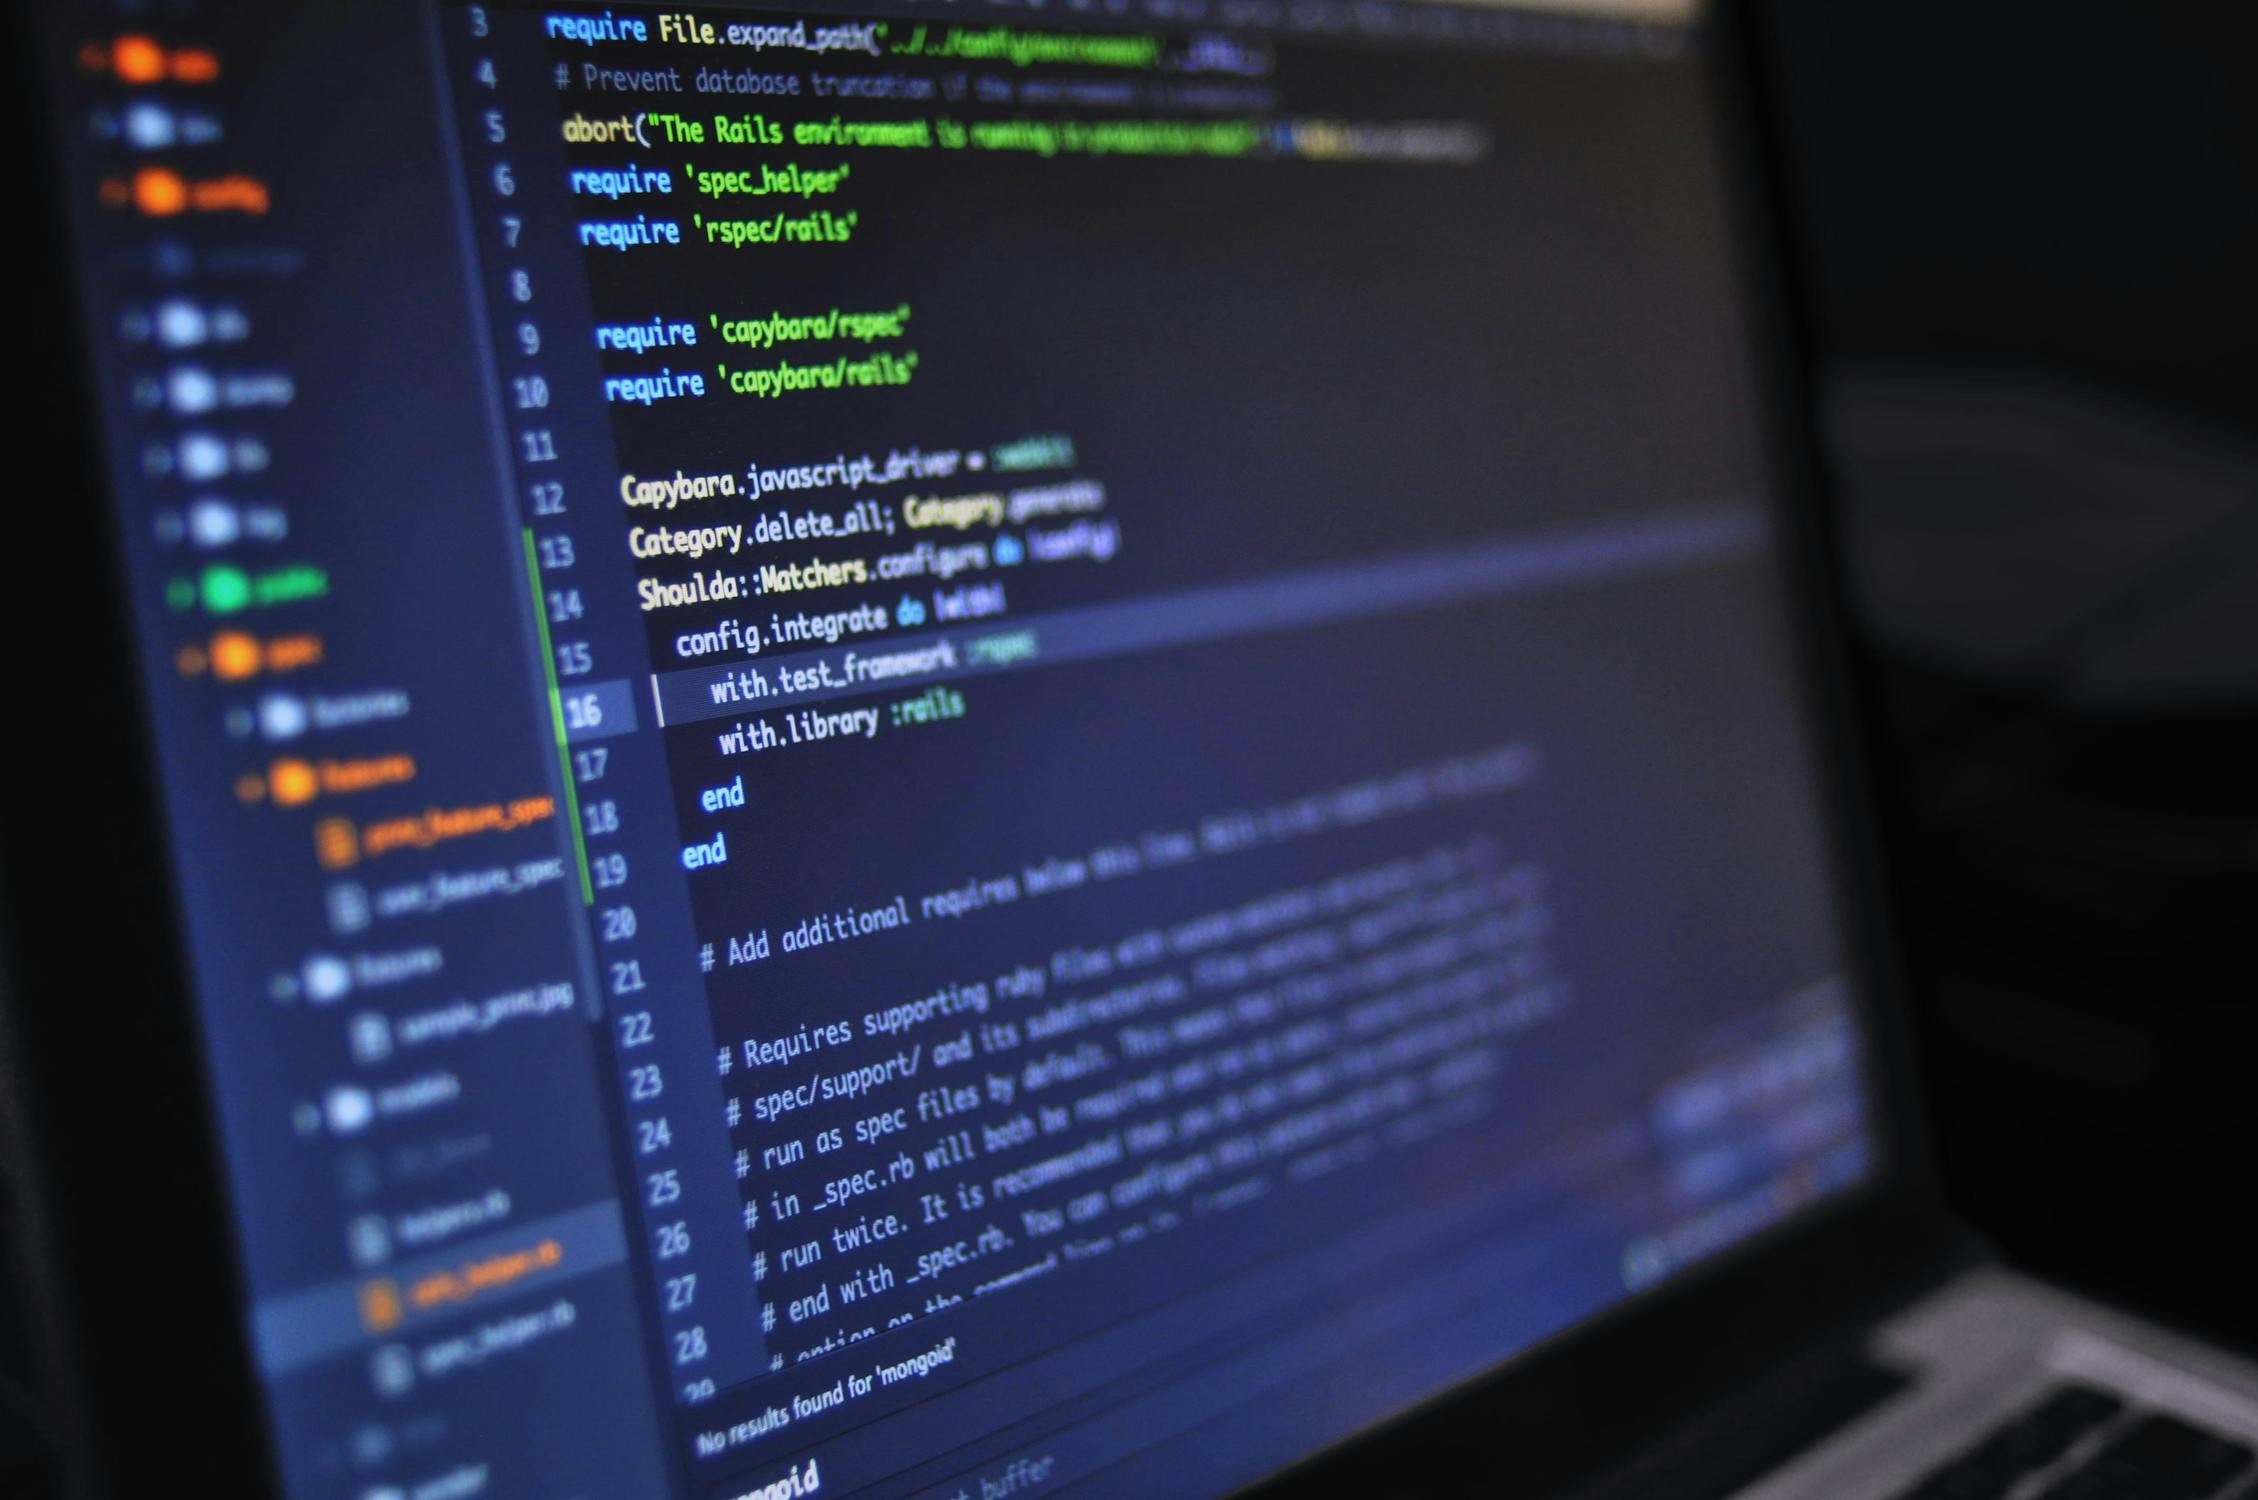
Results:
x,y
2079,1442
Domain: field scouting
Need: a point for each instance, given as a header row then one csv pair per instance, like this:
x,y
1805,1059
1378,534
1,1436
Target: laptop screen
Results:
x,y
953,747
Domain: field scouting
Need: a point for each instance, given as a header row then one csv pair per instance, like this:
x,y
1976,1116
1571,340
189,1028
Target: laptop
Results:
x,y
960,748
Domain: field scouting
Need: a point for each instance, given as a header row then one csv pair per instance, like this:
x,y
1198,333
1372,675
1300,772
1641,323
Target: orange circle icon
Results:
x,y
159,193
136,59
235,656
335,843
380,1306
292,782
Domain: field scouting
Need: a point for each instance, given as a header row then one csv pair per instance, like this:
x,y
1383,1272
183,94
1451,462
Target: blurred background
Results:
x,y
2028,237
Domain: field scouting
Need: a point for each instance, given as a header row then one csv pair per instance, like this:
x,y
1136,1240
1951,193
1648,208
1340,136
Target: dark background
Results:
x,y
2027,236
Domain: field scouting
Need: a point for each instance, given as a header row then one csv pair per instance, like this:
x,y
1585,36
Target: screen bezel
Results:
x,y
149,1348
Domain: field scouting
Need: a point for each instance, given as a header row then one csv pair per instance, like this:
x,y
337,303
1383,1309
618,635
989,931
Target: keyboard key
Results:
x,y
2156,1458
2053,1427
2085,1484
2019,1446
1965,1479
2176,1457
2081,1406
